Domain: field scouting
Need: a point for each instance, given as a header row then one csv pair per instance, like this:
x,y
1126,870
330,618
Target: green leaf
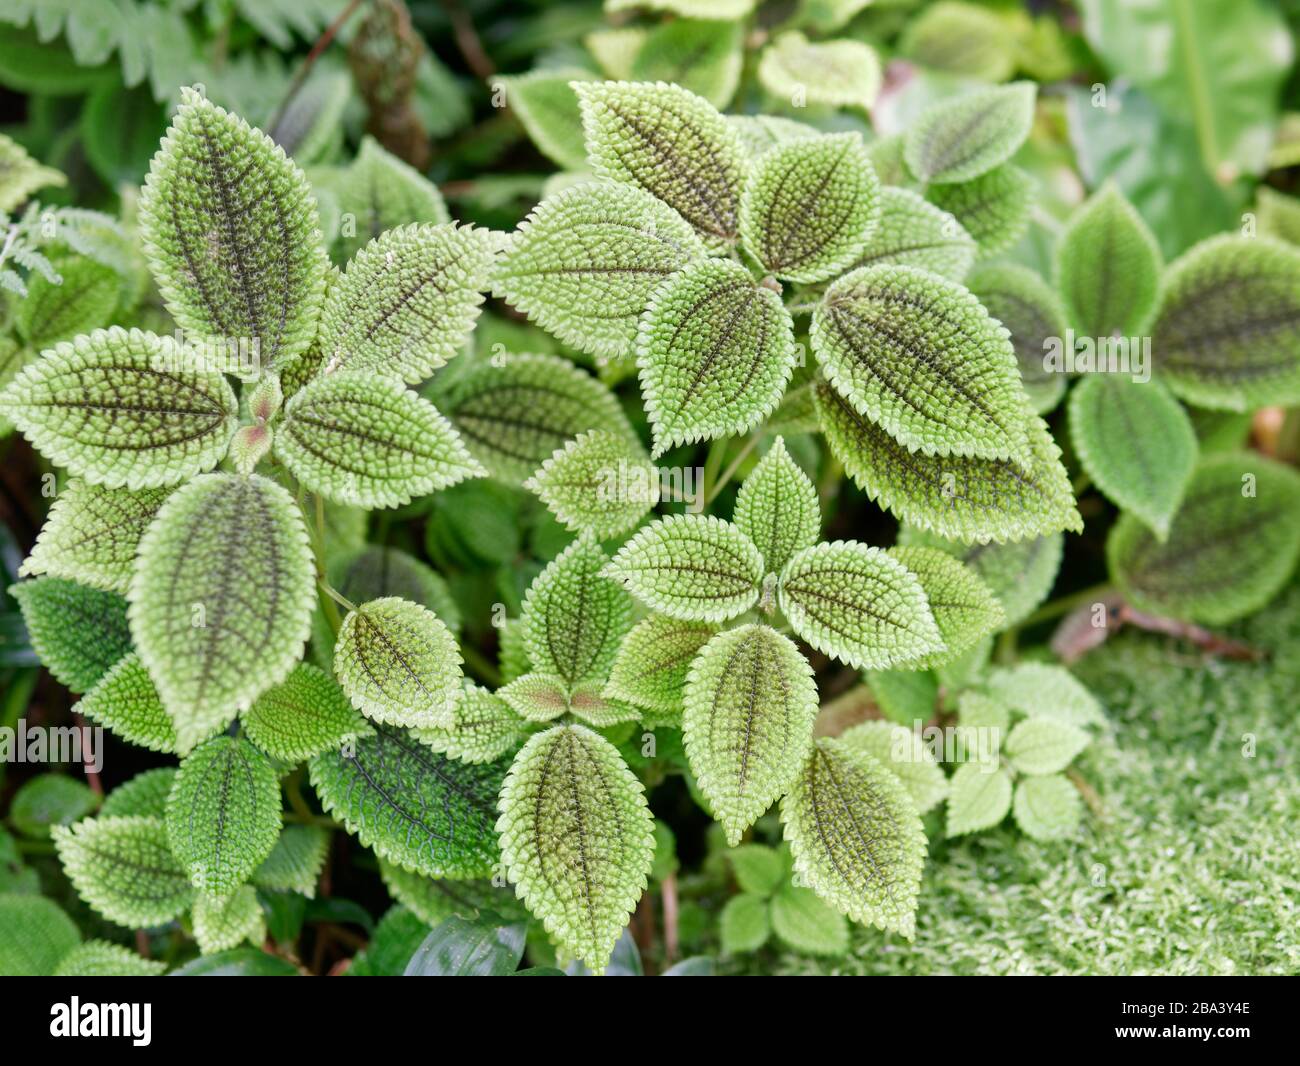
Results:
x,y
1278,214
574,616
1232,544
536,697
584,264
1041,690
302,716
961,39
145,794
91,534
463,948
964,607
1144,475
963,499
307,128
437,899
902,751
222,597
372,571
123,868
743,924
915,233
544,102
1047,808
364,439
975,710
777,508
515,413
807,923
856,837
576,839
750,706
484,728
415,808
1031,310
48,800
296,861
223,814
1108,267
407,302
126,703
858,605
715,350
1227,336
230,228
398,663
702,55
759,869
671,143
761,133
221,923
78,632
962,138
123,409
994,208
650,668
979,797
1040,746
239,962
840,73
906,697
35,935
99,958
598,483
590,705
82,301
919,356
21,175
695,568
886,155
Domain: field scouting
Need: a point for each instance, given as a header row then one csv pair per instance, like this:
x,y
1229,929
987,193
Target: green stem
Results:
x,y
730,472
1065,604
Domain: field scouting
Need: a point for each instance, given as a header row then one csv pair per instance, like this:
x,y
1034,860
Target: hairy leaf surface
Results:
x,y
993,208
296,861
915,233
145,794
962,138
78,632
1039,746
761,133
964,607
83,301
221,923
902,751
99,958
598,483
653,661
1031,310
536,697
302,716
777,508
1043,690
841,73
125,702
484,728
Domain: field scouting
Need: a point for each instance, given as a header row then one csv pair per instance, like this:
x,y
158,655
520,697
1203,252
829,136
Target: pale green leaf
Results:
x,y
126,703
589,704
50,799
35,934
84,300
145,794
1047,808
21,175
1042,690
1039,746
840,73
906,754
759,869
994,208
373,571
702,55
653,660
99,958
961,39
544,102
435,899
1032,312
915,233
598,483
906,697
78,632
302,716
761,133
777,508
1277,214
979,797
743,924
964,607
484,728
962,138
808,924
886,155
296,861
536,697
221,923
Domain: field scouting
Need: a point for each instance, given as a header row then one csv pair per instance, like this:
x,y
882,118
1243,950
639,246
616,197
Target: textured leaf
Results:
x,y
994,208
537,697
750,705
407,302
902,751
230,228
1040,746
92,533
920,357
808,924
82,301
437,899
364,439
964,607
99,958
590,705
1031,310
544,102
979,797
886,155
296,861
34,935
858,605
398,663
1278,214
695,568
123,409
959,139
843,73
975,710
415,808
123,867
484,728
48,800
145,794
221,599
1227,553
21,175
653,660
809,206
743,924
671,143
372,571
597,483
1136,443
584,264
964,499
13,357
777,508
761,133
78,632
702,55
221,923
914,233
302,716
1047,808
514,415
127,704
1108,267
1228,333
576,839
856,836
1041,690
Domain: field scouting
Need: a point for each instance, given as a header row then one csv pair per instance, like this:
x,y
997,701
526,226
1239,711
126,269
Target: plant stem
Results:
x,y
730,472
1065,604
322,42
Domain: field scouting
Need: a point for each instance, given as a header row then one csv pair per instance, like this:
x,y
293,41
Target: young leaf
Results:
x,y
858,605
598,483
759,870
919,356
1147,474
584,264
842,73
695,568
1108,267
230,228
589,705
418,809
295,862
222,597
78,632
993,208
856,836
777,508
672,144
1231,547
902,751
963,499
398,663
743,924
809,207
92,533
653,660
123,867
750,706
915,233
804,921
959,139
536,697
1047,808
576,839
223,814
21,175
702,55
123,409
302,716
145,794
126,703
1228,333
979,797
99,958
485,727
221,923
715,350
1031,310
964,608
1038,746
1041,690
364,439
83,301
